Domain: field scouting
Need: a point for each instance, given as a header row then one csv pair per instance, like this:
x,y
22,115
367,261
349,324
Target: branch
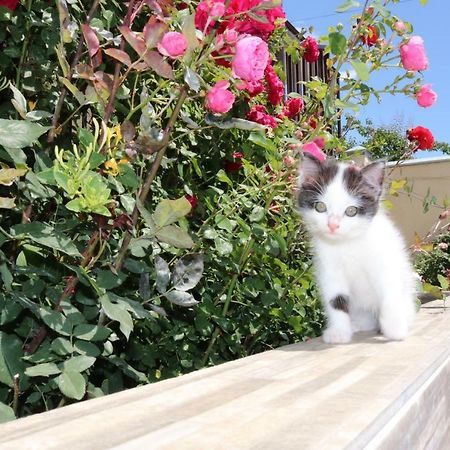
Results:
x,y
116,82
151,176
78,53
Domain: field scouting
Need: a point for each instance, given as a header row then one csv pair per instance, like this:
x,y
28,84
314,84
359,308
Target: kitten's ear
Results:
x,y
374,173
309,167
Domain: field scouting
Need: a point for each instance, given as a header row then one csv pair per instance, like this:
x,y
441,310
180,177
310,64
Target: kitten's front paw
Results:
x,y
337,336
394,330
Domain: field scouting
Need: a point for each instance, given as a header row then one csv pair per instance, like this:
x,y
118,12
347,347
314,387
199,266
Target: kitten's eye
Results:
x,y
351,211
320,207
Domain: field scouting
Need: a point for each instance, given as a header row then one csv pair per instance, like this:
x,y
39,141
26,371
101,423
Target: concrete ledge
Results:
x,y
369,394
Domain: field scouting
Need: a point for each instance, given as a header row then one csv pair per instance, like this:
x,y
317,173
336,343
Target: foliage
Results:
x,y
433,264
143,236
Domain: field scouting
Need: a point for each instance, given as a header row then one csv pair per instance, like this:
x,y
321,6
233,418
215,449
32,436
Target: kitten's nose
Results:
x,y
333,226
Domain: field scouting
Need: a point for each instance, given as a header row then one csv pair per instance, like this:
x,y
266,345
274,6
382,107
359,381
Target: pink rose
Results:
x,y
413,54
250,59
231,36
319,141
313,149
426,96
400,26
217,9
173,44
219,99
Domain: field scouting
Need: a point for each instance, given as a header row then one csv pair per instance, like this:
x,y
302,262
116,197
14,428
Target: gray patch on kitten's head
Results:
x,y
366,185
315,175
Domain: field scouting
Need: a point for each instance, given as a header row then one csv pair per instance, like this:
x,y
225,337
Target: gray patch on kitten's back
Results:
x,y
361,188
313,185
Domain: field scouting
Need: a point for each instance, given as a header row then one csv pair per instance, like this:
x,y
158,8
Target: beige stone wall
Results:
x,y
422,174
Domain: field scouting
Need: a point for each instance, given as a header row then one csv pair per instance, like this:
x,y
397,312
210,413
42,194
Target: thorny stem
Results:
x,y
151,176
62,97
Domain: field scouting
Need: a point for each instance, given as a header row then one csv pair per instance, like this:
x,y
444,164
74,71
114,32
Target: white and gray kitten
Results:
x,y
361,263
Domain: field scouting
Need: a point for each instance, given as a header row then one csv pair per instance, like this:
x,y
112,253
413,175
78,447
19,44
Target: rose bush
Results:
x,y
148,158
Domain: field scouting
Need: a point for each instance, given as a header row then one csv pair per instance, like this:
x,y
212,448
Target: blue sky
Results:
x,y
432,22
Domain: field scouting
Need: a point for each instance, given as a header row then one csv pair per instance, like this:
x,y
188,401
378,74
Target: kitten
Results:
x,y
362,266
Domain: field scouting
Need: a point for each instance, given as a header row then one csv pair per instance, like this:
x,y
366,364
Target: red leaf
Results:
x,y
153,32
134,40
93,44
120,55
155,61
91,39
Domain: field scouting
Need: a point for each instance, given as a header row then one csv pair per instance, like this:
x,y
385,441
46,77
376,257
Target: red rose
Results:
x,y
253,88
275,87
423,136
311,49
10,4
372,36
293,107
192,199
236,164
258,114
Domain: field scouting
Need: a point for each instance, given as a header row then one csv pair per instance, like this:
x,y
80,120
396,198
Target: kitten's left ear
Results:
x,y
374,173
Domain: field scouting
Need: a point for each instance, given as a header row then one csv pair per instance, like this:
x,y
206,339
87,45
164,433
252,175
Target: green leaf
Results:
x,y
6,413
181,298
81,99
56,321
192,79
347,105
338,43
162,274
19,133
10,358
91,332
169,211
86,348
423,2
443,282
145,214
257,214
78,363
7,203
42,370
128,370
361,70
118,313
108,280
347,5
72,384
8,176
261,140
175,236
61,346
19,101
187,272
45,235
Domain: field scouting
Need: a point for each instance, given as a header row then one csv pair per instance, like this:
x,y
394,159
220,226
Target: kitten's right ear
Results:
x,y
309,167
